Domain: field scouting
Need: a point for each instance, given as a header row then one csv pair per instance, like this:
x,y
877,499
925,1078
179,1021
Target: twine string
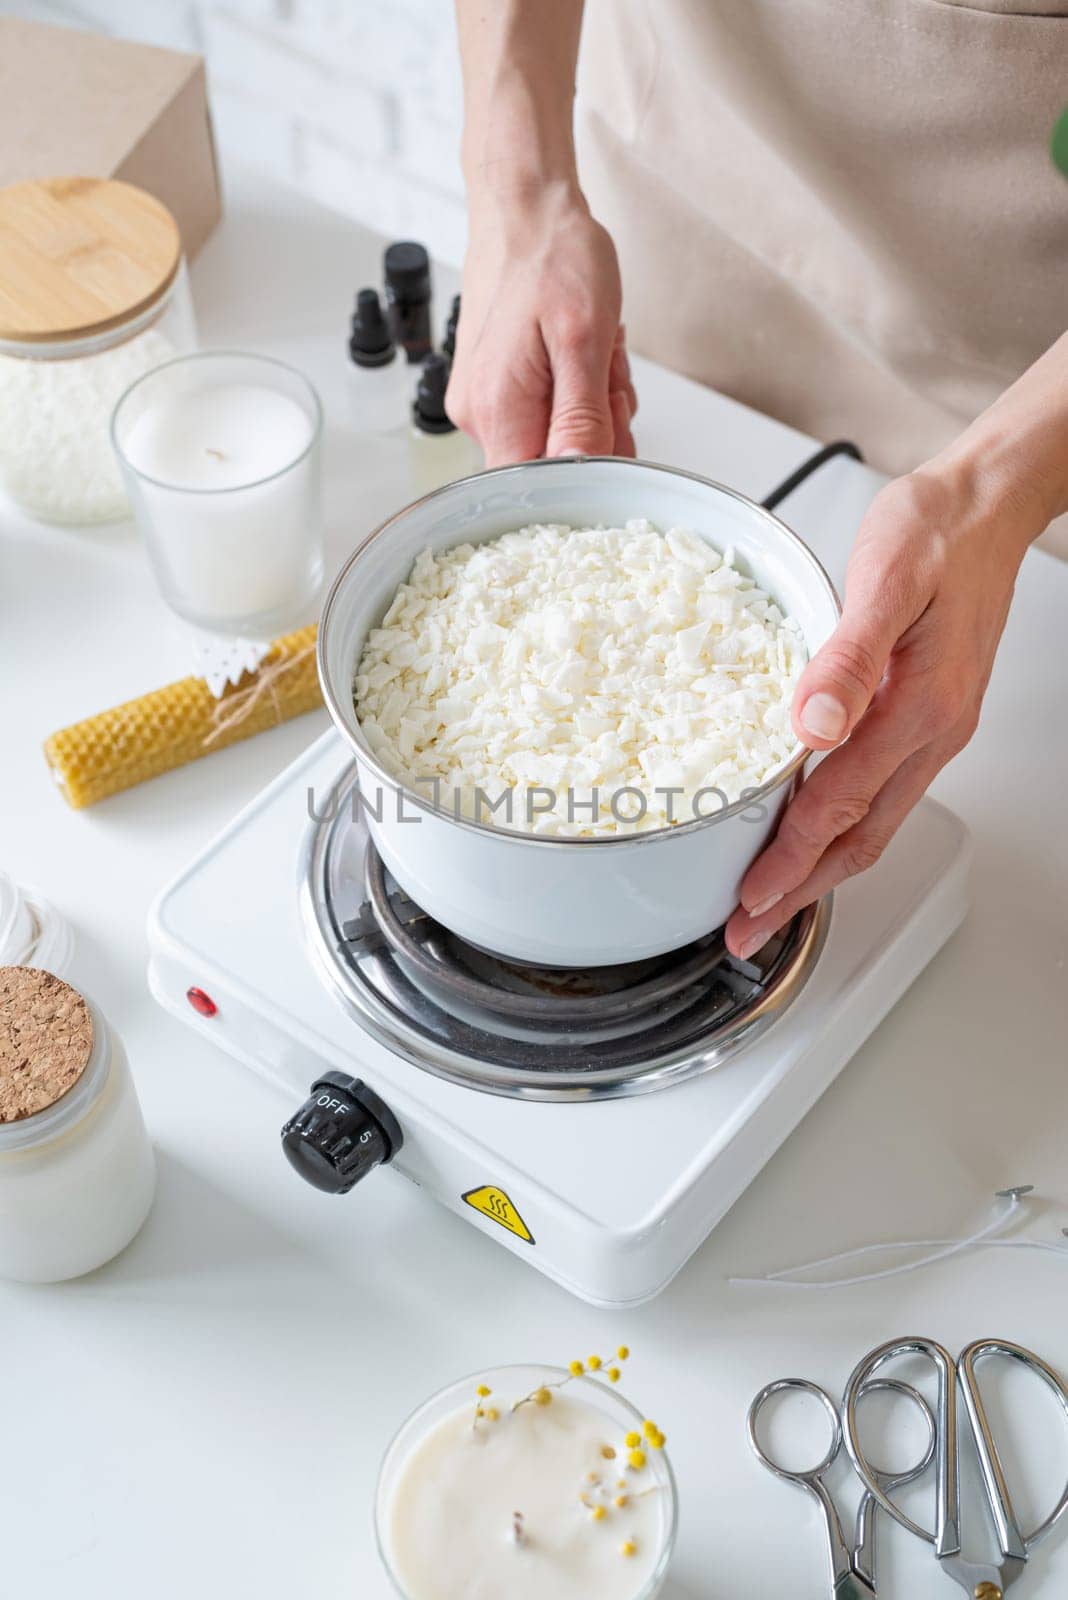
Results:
x,y
234,708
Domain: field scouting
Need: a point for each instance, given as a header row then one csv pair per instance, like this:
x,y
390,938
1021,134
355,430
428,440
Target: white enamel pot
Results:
x,y
549,900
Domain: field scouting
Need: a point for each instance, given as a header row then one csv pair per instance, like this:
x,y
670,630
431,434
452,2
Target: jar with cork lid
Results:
x,y
77,1172
93,294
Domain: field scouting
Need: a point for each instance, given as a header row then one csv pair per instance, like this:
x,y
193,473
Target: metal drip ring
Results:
x,y
639,998
398,991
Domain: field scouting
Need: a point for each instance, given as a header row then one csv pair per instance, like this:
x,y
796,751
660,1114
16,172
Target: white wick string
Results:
x,y
942,1249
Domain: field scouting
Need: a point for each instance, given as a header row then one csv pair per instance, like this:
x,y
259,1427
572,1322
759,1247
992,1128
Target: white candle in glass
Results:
x,y
528,1502
220,454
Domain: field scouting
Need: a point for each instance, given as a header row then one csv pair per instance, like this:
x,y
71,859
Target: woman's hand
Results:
x,y
895,693
540,366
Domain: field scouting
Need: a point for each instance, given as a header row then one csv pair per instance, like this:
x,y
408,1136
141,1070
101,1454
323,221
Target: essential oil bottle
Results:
x,y
448,344
407,274
440,452
380,381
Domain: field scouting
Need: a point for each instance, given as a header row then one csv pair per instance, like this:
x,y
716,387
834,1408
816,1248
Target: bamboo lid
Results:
x,y
79,256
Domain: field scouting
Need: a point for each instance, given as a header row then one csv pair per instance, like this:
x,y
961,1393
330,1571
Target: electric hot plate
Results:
x,y
286,944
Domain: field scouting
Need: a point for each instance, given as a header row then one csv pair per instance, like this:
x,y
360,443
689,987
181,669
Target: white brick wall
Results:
x,y
357,102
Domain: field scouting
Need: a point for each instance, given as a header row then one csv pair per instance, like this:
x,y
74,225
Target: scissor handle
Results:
x,y
803,1476
864,1537
889,1478
1014,1543
810,1479
946,1534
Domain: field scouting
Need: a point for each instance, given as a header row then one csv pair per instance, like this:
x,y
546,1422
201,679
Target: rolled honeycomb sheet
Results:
x,y
170,727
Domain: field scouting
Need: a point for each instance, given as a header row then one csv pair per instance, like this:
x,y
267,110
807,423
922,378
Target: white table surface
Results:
x,y
206,1414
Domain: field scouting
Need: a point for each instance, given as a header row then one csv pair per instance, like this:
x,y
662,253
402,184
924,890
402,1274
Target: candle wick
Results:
x,y
518,1533
218,454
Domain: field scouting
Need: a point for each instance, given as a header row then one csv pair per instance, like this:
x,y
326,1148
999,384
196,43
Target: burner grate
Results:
x,y
538,1032
464,974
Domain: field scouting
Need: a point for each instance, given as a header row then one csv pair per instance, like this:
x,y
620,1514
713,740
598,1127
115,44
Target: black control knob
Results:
x,y
340,1134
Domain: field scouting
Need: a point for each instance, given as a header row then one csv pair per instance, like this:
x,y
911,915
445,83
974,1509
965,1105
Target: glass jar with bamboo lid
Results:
x,y
93,293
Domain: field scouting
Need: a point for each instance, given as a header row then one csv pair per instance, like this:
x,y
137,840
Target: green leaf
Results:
x,y
1059,143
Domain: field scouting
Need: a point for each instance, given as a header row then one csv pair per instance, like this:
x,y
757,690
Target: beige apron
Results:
x,y
842,212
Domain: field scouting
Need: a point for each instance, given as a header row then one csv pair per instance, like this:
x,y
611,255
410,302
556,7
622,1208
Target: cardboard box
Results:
x,y
78,104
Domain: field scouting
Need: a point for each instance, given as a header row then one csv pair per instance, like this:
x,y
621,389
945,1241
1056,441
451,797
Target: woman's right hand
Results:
x,y
540,365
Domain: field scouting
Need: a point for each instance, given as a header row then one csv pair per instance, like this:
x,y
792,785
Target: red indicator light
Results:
x,y
201,1002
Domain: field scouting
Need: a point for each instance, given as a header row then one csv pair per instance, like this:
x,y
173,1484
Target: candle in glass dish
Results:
x,y
220,453
527,1482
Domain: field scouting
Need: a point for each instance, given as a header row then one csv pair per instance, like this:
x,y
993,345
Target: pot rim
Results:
x,y
364,755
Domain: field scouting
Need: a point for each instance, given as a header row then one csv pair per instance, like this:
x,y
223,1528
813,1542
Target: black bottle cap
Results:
x,y
449,343
371,343
340,1134
428,408
407,270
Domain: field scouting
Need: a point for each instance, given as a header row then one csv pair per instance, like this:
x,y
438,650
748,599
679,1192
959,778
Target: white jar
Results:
x,y
93,294
77,1174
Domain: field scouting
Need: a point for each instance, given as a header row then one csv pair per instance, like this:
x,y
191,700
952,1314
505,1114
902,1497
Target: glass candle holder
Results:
x,y
221,456
594,1525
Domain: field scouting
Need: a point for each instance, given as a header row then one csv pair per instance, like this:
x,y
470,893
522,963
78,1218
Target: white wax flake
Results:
x,y
56,457
575,659
222,662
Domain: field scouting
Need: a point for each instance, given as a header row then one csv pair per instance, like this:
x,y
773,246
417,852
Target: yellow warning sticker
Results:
x,y
495,1204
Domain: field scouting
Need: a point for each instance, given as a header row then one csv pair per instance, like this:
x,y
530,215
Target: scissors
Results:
x,y
852,1570
981,1582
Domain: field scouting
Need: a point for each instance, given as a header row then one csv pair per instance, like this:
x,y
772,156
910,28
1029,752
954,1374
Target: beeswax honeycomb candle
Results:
x,y
170,727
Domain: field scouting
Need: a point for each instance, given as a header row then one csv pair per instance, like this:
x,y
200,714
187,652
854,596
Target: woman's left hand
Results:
x,y
895,692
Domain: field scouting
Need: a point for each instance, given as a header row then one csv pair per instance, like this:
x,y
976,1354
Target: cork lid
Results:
x,y
79,256
46,1040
